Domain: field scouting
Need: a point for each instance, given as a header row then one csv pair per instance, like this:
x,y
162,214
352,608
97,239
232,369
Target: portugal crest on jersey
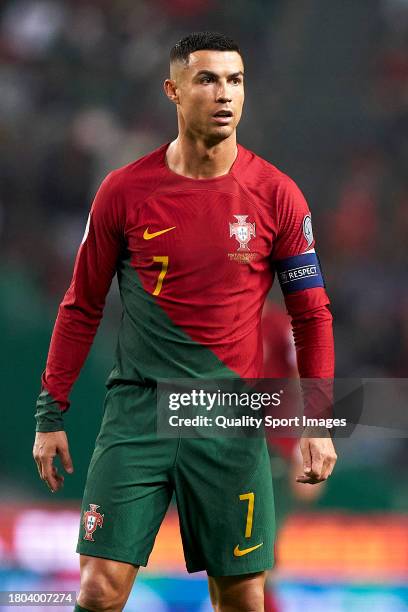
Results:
x,y
242,231
91,520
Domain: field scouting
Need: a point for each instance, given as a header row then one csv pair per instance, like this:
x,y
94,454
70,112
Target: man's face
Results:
x,y
209,92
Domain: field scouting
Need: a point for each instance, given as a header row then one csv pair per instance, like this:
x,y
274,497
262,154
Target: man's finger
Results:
x,y
37,459
317,464
307,459
58,477
66,459
313,478
327,468
54,482
330,461
48,473
307,480
38,464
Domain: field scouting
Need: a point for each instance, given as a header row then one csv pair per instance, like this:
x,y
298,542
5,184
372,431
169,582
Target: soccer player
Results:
x,y
195,232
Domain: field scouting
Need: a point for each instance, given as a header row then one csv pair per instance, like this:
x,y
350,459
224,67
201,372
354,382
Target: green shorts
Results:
x,y
223,489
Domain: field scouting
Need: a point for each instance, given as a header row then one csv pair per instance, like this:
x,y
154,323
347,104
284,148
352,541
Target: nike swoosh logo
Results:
x,y
148,236
245,551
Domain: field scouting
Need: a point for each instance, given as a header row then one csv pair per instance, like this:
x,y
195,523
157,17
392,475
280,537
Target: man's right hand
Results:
x,y
46,447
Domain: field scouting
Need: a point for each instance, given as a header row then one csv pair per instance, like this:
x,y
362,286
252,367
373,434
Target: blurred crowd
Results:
x,y
366,228
81,94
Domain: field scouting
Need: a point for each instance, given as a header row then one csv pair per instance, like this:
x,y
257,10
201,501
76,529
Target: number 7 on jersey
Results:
x,y
164,260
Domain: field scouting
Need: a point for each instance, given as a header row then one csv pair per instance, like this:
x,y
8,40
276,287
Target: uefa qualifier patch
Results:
x,y
91,520
307,229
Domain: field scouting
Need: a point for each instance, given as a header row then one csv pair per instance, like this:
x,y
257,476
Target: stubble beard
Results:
x,y
211,135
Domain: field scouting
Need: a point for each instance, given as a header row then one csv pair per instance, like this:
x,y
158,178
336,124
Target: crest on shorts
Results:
x,y
243,231
91,520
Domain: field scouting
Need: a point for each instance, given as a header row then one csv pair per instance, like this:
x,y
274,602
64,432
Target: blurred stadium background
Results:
x,y
327,100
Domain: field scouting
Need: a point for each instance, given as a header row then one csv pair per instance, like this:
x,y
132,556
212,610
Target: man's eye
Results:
x,y
206,79
236,81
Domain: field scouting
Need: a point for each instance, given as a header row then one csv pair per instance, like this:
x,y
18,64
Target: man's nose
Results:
x,y
223,95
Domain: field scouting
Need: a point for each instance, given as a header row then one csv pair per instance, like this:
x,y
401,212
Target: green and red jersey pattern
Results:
x,y
193,295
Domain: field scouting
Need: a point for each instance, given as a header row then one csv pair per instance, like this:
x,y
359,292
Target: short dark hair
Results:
x,y
198,41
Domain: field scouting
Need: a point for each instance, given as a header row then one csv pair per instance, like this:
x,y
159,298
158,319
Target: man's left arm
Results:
x,y
313,334
298,269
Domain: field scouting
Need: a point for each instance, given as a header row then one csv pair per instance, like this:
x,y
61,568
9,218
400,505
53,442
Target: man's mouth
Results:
x,y
223,117
223,113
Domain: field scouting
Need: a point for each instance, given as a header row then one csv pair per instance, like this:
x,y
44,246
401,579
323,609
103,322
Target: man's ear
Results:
x,y
170,89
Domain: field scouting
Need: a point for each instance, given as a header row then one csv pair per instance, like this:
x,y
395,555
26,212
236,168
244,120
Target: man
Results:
x,y
194,232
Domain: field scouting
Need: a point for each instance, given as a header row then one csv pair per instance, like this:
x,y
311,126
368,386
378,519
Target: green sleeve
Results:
x,y
48,414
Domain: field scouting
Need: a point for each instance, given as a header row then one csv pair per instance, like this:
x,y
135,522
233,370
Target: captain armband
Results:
x,y
299,272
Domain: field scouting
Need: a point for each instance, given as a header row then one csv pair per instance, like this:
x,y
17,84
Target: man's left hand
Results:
x,y
319,456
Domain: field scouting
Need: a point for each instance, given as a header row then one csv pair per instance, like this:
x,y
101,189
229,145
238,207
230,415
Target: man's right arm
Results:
x,y
78,317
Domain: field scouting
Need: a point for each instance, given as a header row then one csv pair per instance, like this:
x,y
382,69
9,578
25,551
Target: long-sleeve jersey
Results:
x,y
195,259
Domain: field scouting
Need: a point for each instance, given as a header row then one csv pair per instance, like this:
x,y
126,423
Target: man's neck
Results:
x,y
194,159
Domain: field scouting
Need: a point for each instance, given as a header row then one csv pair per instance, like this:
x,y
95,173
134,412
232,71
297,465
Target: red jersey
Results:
x,y
195,259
